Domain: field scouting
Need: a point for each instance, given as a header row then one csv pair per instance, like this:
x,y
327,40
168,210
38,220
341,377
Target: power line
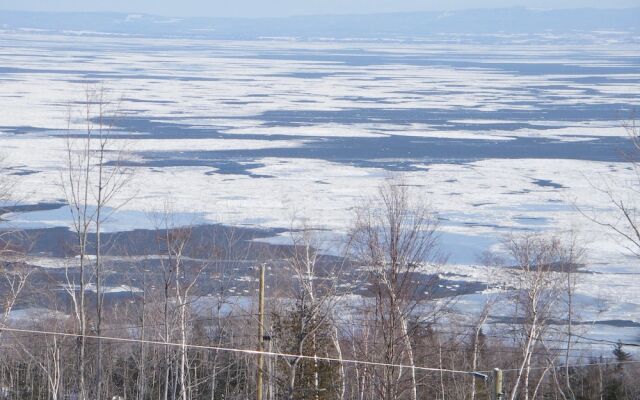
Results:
x,y
445,348
289,355
244,351
574,347
434,349
576,365
605,341
585,340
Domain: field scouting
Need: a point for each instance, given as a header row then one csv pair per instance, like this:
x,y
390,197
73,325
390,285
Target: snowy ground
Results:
x,y
232,132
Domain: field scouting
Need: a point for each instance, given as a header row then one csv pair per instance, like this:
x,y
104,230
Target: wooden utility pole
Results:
x,y
260,333
497,384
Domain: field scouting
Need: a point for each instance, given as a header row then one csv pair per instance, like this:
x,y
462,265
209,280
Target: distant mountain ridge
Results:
x,y
419,24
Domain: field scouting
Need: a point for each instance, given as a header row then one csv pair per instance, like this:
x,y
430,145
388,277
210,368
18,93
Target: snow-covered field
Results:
x,y
238,132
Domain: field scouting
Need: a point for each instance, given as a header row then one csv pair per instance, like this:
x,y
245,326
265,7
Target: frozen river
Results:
x,y
497,138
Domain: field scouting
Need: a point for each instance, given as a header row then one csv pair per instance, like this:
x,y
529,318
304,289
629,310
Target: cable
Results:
x,y
606,341
574,348
575,365
244,351
288,355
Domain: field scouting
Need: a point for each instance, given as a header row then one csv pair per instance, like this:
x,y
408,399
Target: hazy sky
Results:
x,y
270,8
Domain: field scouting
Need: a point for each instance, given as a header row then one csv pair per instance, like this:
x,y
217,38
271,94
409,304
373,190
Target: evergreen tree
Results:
x,y
619,353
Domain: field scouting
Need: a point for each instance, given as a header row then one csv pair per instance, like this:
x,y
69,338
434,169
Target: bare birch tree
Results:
x,y
394,235
541,262
313,292
176,246
622,196
91,179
